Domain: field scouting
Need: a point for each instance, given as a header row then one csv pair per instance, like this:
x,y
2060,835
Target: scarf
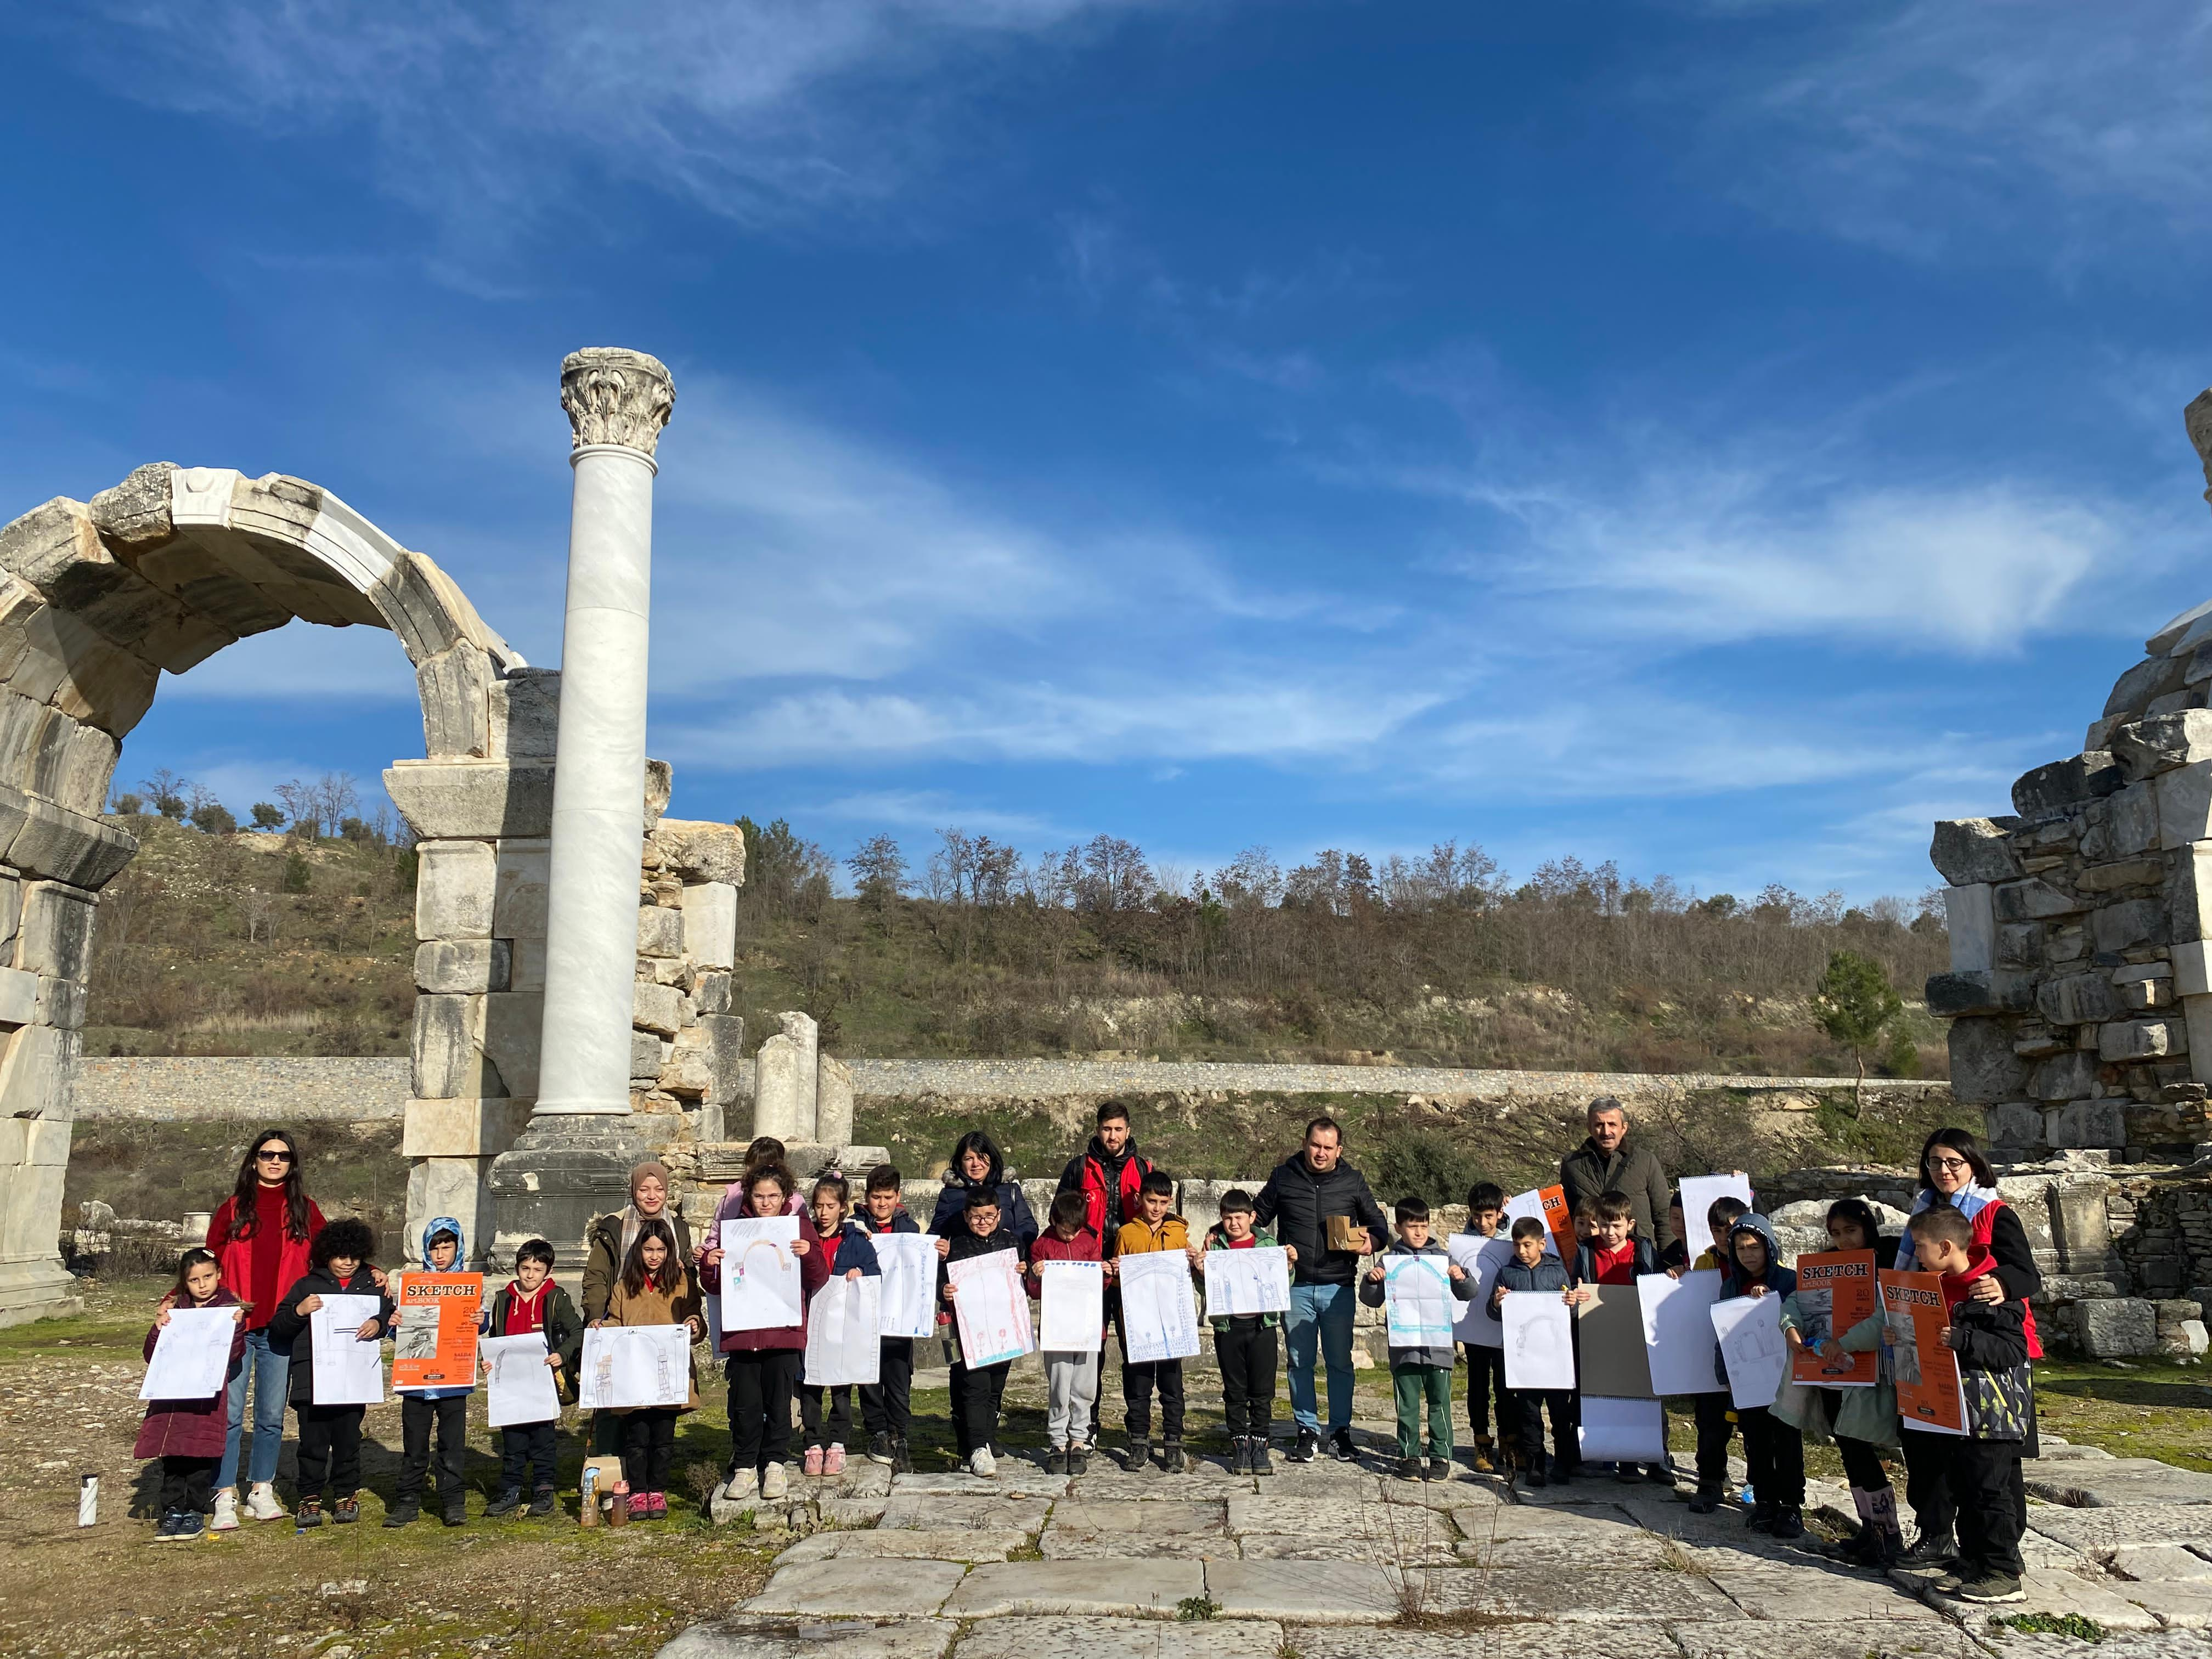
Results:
x,y
1970,1200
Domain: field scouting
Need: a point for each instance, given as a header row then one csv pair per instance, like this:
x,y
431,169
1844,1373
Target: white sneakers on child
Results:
x,y
226,1511
775,1483
261,1502
743,1485
980,1462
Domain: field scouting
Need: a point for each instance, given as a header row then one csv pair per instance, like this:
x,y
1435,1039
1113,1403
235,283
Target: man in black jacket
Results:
x,y
1304,1193
1609,1162
1108,1173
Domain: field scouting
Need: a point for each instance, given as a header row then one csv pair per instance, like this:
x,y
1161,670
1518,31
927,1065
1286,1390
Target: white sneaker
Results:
x,y
981,1461
743,1485
226,1510
261,1502
775,1483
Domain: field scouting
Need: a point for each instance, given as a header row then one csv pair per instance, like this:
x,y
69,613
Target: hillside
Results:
x,y
258,943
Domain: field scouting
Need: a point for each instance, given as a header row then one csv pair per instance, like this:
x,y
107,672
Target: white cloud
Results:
x,y
905,809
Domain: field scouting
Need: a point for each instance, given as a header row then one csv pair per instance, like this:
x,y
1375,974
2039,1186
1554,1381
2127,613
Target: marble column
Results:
x,y
573,1158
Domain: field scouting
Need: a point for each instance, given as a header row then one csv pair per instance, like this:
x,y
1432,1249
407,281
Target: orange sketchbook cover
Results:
x,y
1929,1396
434,1344
1835,1291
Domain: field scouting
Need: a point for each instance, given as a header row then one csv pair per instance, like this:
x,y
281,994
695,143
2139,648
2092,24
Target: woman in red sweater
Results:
x,y
260,1238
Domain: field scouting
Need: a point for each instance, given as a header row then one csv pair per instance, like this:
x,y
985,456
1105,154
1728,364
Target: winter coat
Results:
x,y
193,1428
1781,1280
291,1332
1051,1247
1631,1168
1145,1238
437,1225
236,1257
813,1273
847,1249
603,1255
672,1302
1217,1240
1867,1414
1549,1273
1110,1185
1374,1292
1014,1213
1644,1260
1991,1341
565,1332
1296,1203
1996,1231
966,1244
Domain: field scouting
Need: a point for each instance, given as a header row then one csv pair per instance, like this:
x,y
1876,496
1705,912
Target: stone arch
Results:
x,y
160,572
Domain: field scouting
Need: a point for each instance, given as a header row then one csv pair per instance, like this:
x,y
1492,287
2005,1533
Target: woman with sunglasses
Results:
x,y
261,1237
1954,1171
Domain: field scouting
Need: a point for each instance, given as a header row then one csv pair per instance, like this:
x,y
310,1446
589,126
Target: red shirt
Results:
x,y
1616,1266
526,1314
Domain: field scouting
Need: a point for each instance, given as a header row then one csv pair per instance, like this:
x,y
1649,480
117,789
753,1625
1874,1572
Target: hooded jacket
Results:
x,y
191,1428
1375,1293
1014,1215
293,1333
431,1228
1109,1183
1296,1203
1781,1280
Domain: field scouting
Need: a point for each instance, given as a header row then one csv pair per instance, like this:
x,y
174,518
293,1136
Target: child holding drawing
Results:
x,y
330,1435
533,1304
884,1403
421,1409
1715,1417
763,1366
187,1435
1071,1376
845,1250
1980,1469
1532,1272
1154,1229
1419,1372
1771,1446
1485,1365
656,1288
1245,1344
1613,1254
977,1390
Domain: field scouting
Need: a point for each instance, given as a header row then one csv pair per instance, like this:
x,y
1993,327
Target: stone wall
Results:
x,y
193,1089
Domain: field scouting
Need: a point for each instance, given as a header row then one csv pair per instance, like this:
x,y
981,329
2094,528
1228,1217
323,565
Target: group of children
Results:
x,y
1970,1481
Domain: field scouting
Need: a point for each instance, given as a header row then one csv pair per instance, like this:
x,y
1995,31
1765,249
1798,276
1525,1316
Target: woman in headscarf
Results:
x,y
607,1244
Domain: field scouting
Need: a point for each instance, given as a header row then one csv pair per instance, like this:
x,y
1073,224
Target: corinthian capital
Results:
x,y
616,396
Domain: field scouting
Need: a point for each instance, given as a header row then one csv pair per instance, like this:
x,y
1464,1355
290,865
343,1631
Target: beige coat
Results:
x,y
655,1307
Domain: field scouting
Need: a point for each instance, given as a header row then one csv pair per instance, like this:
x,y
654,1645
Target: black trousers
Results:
x,y
1863,1464
834,1428
1248,1351
1970,1487
418,1417
1138,1382
977,1391
1775,1452
188,1484
526,1448
330,1449
1486,1382
649,1447
1566,1448
761,1385
886,1404
1714,1431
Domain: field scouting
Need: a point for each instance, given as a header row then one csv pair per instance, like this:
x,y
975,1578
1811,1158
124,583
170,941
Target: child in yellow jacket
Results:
x,y
1155,1229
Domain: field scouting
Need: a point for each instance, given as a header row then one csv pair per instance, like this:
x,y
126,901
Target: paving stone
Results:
x,y
1497,1642
2179,1603
1265,1512
1438,1551
2114,1482
1547,1592
853,1511
1057,1545
1444,1494
2159,1561
1000,1588
912,1544
1033,1638
929,1511
753,1637
1013,1480
864,1478
1139,1518
2100,1531
1333,1592
2057,1593
1851,1639
1631,1549
860,1587
1794,1593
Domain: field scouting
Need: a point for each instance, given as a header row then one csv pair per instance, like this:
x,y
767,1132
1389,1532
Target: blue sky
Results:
x,y
1717,437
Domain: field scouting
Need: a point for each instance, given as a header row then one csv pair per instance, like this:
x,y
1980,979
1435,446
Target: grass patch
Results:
x,y
2154,1409
2078,1626
1196,1610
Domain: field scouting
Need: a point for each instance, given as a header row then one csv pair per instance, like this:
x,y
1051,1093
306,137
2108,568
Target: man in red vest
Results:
x,y
1108,1173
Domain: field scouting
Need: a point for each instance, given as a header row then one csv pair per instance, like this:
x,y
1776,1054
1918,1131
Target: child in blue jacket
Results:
x,y
1772,1448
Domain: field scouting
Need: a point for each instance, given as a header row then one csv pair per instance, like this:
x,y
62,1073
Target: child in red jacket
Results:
x,y
1071,1376
187,1435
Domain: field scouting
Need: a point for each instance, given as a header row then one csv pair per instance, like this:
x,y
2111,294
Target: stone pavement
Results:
x,y
1337,1560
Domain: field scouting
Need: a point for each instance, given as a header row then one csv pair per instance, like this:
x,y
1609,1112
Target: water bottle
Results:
x,y
88,1501
589,1516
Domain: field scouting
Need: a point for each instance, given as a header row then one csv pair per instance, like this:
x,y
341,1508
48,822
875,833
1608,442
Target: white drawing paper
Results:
x,y
1073,1319
1540,1341
348,1370
1698,1193
1479,1258
1752,1346
908,1261
1530,1203
1160,1313
1678,1331
633,1365
191,1356
844,1332
991,1308
760,1275
1623,1431
519,1385
1418,1304
1253,1281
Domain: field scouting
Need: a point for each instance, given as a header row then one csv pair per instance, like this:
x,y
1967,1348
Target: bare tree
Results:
x,y
878,870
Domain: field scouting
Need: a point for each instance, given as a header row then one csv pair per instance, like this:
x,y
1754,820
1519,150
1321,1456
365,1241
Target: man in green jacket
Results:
x,y
1609,1162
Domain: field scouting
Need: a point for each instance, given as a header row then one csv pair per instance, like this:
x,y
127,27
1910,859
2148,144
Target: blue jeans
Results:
x,y
271,1373
1321,1317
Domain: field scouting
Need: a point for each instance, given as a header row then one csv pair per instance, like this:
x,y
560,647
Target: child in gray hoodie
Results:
x,y
1425,1372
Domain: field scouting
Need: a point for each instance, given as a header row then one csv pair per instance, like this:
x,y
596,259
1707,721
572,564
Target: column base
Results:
x,y
37,1289
560,1173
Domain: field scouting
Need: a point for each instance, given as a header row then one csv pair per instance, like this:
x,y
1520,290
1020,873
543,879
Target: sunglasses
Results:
x,y
274,1158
